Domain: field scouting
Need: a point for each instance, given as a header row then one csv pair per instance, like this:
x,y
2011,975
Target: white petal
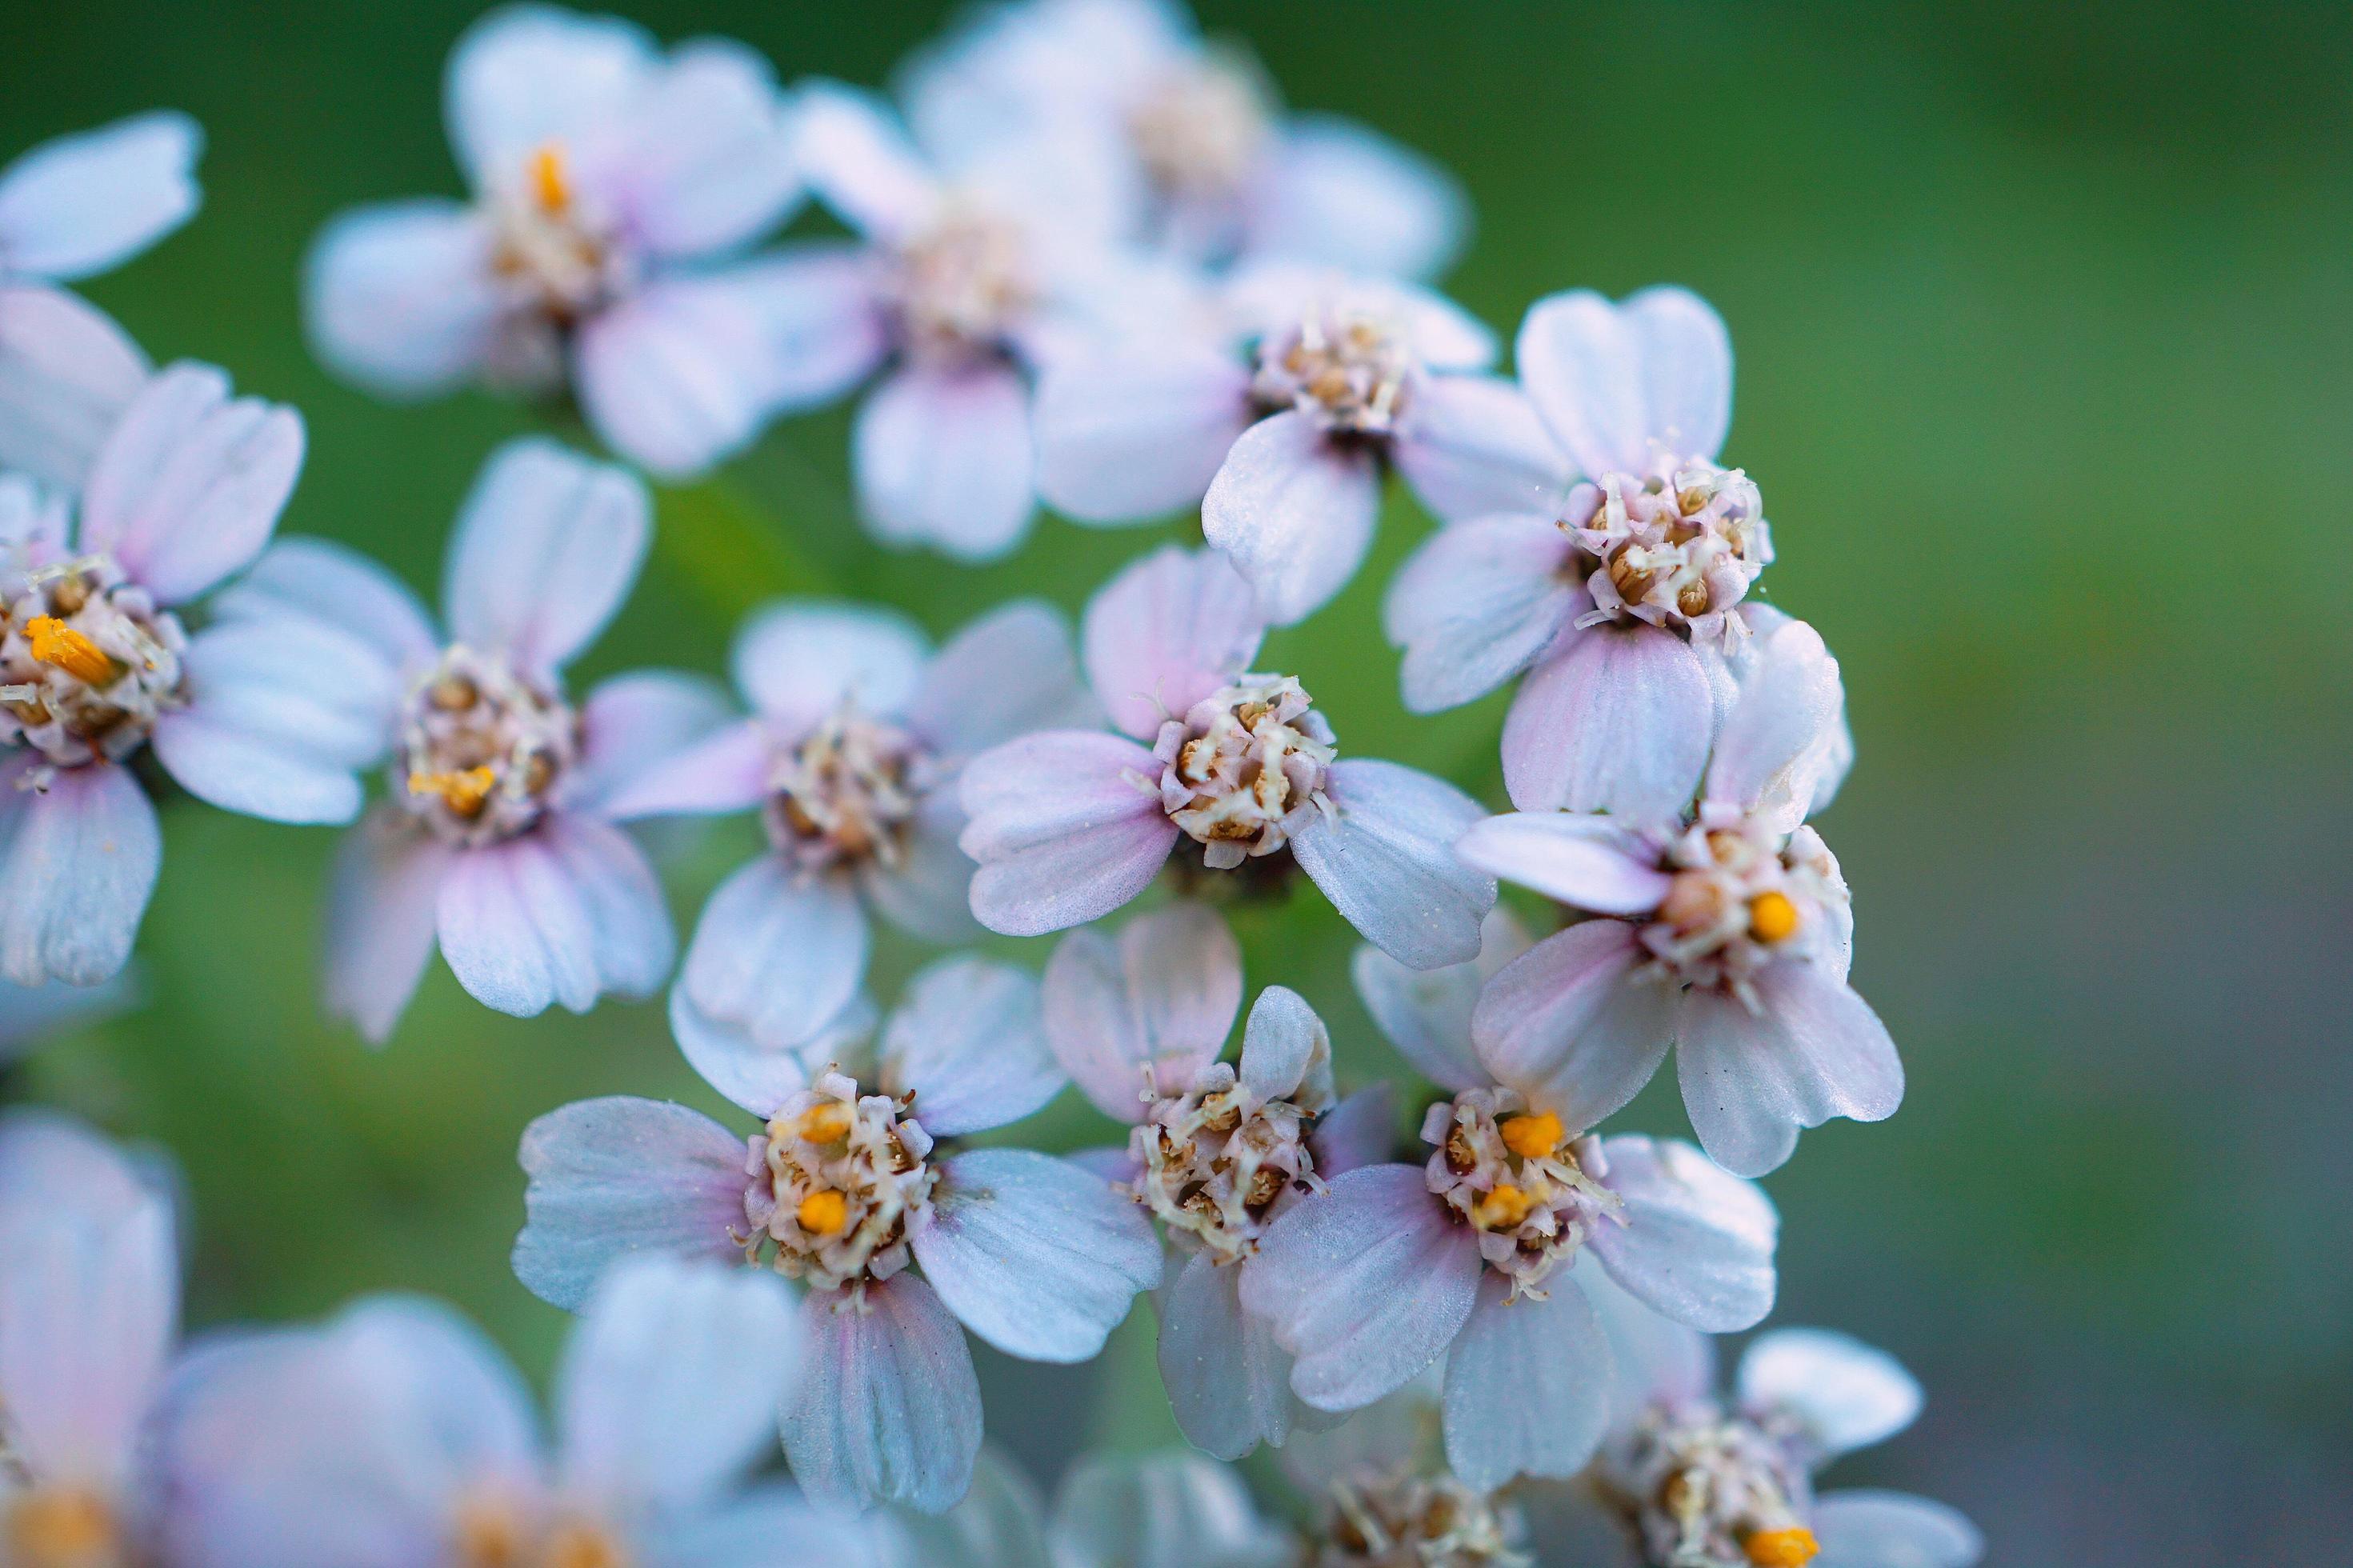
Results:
x,y
777,951
1814,1050
1586,861
1624,387
401,297
1426,1013
1129,435
337,587
1659,1361
85,203
525,76
1891,1530
1772,747
968,1043
943,458
1293,513
889,1409
1476,603
612,1177
632,724
760,1075
1162,1511
1228,1382
1617,720
1161,999
726,770
1527,1385
76,864
88,1302
67,373
1167,631
1286,1050
547,547
1385,859
383,898
859,161
798,660
1343,194
1845,1393
1005,674
679,376
1062,833
1572,1027
1001,1523
927,890
1697,1242
1471,447
560,915
703,161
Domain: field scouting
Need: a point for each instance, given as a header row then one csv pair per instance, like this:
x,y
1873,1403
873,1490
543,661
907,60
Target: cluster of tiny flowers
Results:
x,y
1095,262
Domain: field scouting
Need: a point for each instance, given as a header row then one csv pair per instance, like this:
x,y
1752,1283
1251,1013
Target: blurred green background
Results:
x,y
2044,319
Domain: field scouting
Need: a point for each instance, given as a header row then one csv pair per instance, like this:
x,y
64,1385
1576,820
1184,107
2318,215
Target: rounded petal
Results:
x,y
756,1076
88,201
1659,1361
1007,673
608,1178
89,1304
799,660
889,1406
968,1043
562,914
633,723
1160,1000
402,298
820,317
1167,631
1286,1050
1386,858
547,547
679,376
1571,1025
943,458
1163,1510
1426,1013
1471,447
1061,829
704,160
383,902
1339,194
724,770
1812,1050
1624,385
1892,1529
337,587
1843,1393
1228,1382
1617,720
526,75
1587,862
67,373
1476,603
1527,1385
777,951
1130,435
1696,1243
1359,1131
1293,513
77,861
1771,753
1036,1255
1001,1523
859,161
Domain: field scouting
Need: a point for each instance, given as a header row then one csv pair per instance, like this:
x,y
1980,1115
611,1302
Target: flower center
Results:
x,y
848,793
482,750
1672,550
1345,369
552,244
961,285
1741,896
1214,1163
1414,1521
64,1527
840,1182
494,1531
1711,1491
87,662
1517,1178
1241,764
1200,128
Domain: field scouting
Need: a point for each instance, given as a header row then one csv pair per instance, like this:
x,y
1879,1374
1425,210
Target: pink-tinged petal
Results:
x,y
1476,605
1385,857
1528,1386
1293,513
821,317
1843,1395
943,458
678,376
1617,720
633,724
1696,1243
1659,1361
560,915
1366,1285
339,587
724,771
611,1178
1172,1509
1036,1255
88,201
670,1385
1686,368
383,899
67,373
546,548
189,485
1624,385
1571,1025
1061,830
1159,1001
51,1162
1228,1382
1170,629
403,298
524,76
1773,747
1007,673
1426,1013
777,951
1587,862
799,660
1471,447
1863,1528
1359,1131
77,861
1339,194
889,1408
89,1304
968,1043
860,163
628,917
1129,435
1812,1050
1286,1050
704,160
761,1077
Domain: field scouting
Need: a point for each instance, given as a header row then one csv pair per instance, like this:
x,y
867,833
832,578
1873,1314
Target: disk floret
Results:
x,y
1405,1521
1532,1193
1214,1160
62,1527
87,662
1705,1490
482,750
1201,127
1242,765
1677,550
1347,369
848,793
559,258
961,285
840,1183
1741,896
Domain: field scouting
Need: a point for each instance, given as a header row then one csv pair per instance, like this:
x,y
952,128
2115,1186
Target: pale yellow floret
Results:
x,y
550,183
823,1212
826,1123
1503,1208
1791,1547
462,789
1772,918
1533,1137
54,642
59,1530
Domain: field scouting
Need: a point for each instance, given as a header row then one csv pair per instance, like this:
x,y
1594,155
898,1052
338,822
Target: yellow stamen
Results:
x,y
62,1528
1772,917
1791,1547
826,1123
463,790
54,642
582,1546
1503,1208
823,1212
1531,1136
551,185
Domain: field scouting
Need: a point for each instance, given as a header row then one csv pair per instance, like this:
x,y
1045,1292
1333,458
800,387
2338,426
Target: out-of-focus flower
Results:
x,y
95,663
31,1014
1731,937
1069,825
396,1434
858,732
495,839
1283,426
1222,169
614,191
79,205
89,1300
1218,1150
846,1185
1626,598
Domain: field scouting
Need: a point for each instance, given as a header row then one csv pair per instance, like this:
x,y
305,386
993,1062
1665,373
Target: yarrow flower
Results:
x,y
1729,934
494,840
395,1433
615,189
859,730
70,208
853,1188
1229,766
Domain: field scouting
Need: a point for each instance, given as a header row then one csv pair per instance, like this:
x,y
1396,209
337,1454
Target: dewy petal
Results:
x,y
1571,1025
1293,513
401,296
1843,1393
1426,1013
889,1408
1476,603
678,376
1770,751
1161,998
88,201
1385,857
777,951
189,485
1162,1511
524,76
1527,1385
1339,194
1286,1050
1036,1255
703,161
756,1076
1367,1284
1471,447
1228,1382
1623,386
859,161
382,897
799,660
968,1043
1131,433
1007,673
1167,631
1696,1243
337,587
1062,833
632,724
67,373
943,458
1586,861
726,770
1617,720
608,1178
670,1385
547,547
1814,1050
77,861
1862,1529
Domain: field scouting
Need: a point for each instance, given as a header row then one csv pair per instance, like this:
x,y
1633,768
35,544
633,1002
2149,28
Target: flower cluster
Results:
x,y
1092,259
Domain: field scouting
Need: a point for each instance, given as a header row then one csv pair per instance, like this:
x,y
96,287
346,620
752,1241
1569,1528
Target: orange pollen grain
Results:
x,y
463,790
1772,917
1533,1137
581,1546
63,1528
1791,1547
1503,1208
54,642
551,185
823,1212
825,1123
